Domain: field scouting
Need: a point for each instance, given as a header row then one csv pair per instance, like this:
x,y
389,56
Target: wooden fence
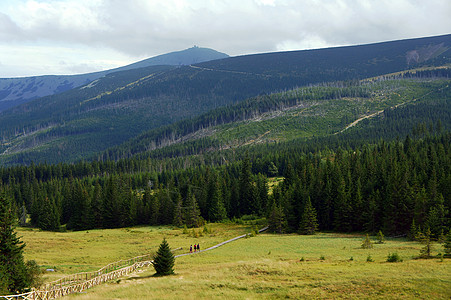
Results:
x,y
79,282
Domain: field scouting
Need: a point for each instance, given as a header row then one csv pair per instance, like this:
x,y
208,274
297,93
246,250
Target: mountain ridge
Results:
x,y
16,91
84,121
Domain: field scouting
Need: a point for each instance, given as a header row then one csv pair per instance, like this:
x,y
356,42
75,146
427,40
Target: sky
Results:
x,y
39,37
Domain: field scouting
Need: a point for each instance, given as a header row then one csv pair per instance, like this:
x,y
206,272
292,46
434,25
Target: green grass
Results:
x,y
266,266
83,251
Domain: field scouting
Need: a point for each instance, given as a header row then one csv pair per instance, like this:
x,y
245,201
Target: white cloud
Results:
x,y
134,29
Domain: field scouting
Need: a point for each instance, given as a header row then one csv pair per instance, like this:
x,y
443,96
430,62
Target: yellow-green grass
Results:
x,y
269,267
73,252
273,182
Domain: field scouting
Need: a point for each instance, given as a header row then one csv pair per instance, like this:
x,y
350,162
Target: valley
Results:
x,y
324,147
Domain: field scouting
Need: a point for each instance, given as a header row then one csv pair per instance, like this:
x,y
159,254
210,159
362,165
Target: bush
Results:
x,y
367,244
394,257
380,237
369,259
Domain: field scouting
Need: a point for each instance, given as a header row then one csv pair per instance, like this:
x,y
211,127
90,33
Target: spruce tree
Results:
x,y
309,222
13,272
192,216
276,219
447,245
425,239
164,260
178,214
367,244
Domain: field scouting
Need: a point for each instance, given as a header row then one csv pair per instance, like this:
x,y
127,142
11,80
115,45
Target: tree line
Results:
x,y
388,186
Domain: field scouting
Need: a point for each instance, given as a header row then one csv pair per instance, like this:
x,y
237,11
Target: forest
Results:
x,y
396,187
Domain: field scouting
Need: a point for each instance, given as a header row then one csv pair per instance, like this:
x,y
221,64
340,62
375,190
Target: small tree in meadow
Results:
x,y
380,237
164,260
425,239
367,243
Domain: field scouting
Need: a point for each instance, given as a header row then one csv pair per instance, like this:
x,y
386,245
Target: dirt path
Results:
x,y
220,244
229,71
392,107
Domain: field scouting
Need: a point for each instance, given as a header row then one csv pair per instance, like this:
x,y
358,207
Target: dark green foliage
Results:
x,y
394,257
309,223
192,213
425,239
83,122
276,219
164,260
15,274
447,245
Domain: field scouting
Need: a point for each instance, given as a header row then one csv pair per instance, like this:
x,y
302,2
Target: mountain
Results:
x,y
387,107
15,91
85,121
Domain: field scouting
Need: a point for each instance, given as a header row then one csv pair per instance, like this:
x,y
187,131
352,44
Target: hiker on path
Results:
x,y
191,249
198,248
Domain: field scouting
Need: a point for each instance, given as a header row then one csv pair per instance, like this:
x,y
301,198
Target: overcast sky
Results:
x,y
78,36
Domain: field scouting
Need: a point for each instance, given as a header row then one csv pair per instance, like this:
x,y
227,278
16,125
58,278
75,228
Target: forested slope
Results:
x,y
69,127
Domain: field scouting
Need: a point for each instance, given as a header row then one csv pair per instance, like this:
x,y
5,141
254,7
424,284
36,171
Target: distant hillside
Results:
x,y
85,121
368,110
15,91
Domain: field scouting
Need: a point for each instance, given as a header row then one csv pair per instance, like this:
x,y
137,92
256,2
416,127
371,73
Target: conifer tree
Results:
x,y
425,239
309,223
216,209
367,244
447,245
192,216
13,271
164,260
178,214
277,220
380,237
247,192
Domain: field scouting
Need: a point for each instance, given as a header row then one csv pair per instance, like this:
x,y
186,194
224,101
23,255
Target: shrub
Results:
x,y
367,244
369,259
394,257
380,237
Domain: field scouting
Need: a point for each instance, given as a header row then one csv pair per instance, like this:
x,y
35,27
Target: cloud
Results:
x,y
136,29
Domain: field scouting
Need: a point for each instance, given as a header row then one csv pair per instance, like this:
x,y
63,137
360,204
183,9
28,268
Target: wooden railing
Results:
x,y
79,282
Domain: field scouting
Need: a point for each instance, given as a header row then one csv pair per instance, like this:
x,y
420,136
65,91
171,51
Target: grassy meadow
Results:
x,y
266,266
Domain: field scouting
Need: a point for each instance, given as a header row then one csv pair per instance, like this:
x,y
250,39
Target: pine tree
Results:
x,y
425,239
4,281
216,209
380,237
367,244
309,222
447,245
11,252
164,260
277,220
192,215
178,214
246,189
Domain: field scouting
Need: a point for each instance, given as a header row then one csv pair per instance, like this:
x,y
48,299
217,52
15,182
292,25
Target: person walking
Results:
x,y
191,249
198,248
